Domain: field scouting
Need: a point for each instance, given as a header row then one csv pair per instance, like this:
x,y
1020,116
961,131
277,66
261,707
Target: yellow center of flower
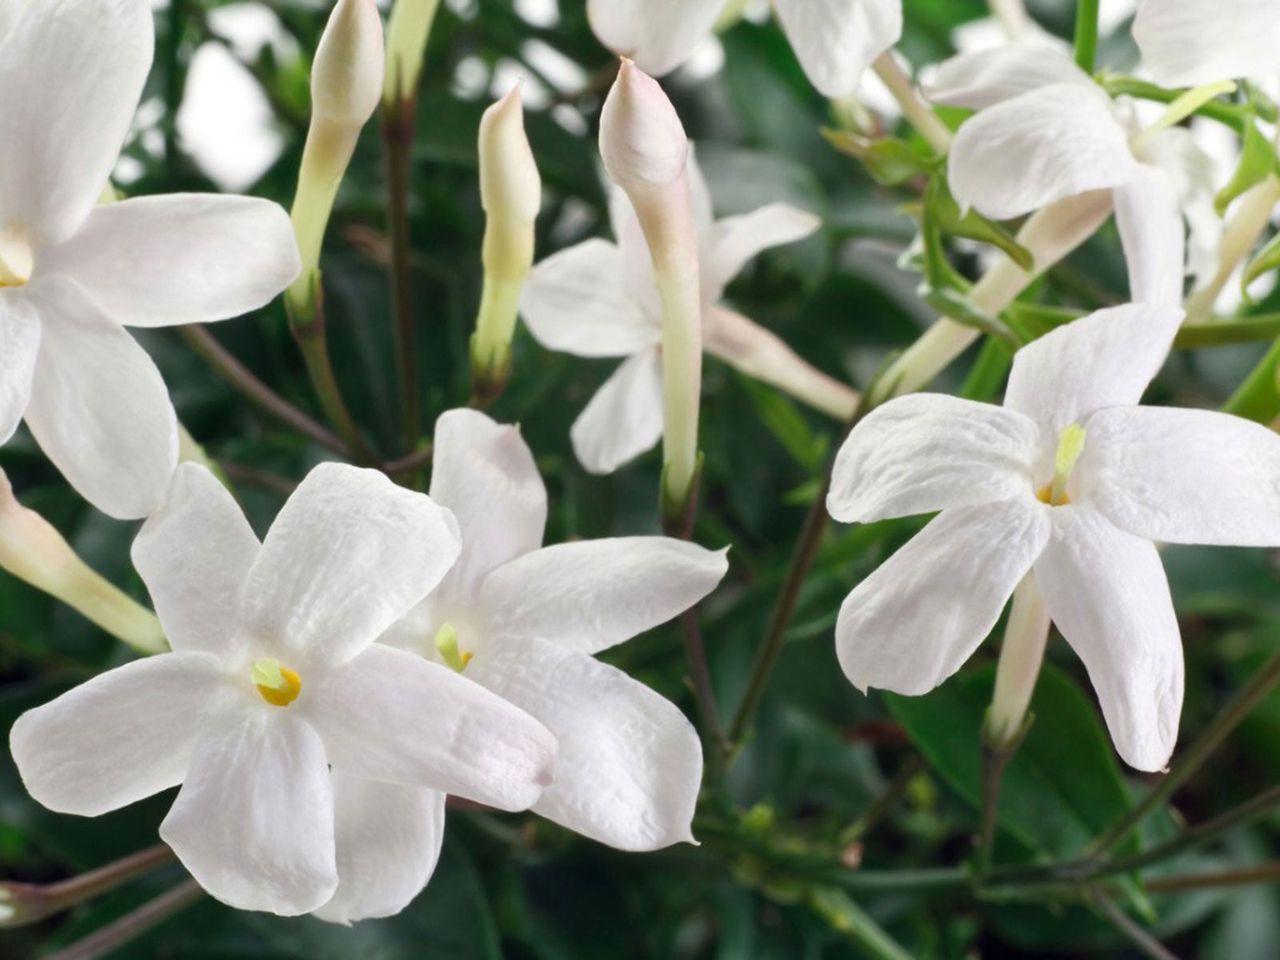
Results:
x,y
278,685
16,259
1070,446
447,646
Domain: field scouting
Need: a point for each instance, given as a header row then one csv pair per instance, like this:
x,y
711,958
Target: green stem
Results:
x,y
1220,333
1144,941
1087,34
803,558
1235,711
1225,113
885,802
1258,398
1268,873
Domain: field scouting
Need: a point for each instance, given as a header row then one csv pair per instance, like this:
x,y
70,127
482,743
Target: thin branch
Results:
x,y
239,376
397,136
29,902
1144,941
131,925
1268,873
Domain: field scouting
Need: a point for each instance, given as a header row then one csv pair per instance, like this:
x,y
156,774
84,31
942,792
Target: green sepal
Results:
x,y
1257,162
890,161
942,209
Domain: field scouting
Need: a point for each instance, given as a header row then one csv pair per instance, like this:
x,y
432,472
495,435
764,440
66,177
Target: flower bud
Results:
x,y
346,76
511,193
33,551
646,153
407,32
1021,657
344,94
642,140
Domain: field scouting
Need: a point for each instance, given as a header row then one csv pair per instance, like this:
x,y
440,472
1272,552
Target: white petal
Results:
x,y
1184,476
397,718
919,617
194,554
120,737
1107,592
1149,216
388,837
928,452
983,78
735,241
659,35
348,556
253,822
182,258
19,347
1103,360
99,409
72,72
485,473
1025,153
577,301
1187,43
629,765
836,40
624,418
594,594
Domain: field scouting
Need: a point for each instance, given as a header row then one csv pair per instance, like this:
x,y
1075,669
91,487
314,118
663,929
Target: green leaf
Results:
x,y
1063,787
1257,161
942,209
1266,261
788,425
890,161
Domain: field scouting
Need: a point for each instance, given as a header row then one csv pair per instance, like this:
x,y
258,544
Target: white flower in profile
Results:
x,y
300,744
525,621
1069,479
1045,131
835,40
599,299
1186,43
73,275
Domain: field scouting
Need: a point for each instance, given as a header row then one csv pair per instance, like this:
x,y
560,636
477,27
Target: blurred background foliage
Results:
x,y
821,753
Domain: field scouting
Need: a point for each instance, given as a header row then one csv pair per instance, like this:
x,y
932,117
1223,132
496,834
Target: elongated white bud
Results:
x,y
346,79
1021,657
407,33
346,76
33,551
646,153
511,193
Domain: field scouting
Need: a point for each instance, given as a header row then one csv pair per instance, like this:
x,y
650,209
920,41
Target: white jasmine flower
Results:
x,y
525,621
275,681
72,275
599,299
1070,479
1186,43
1045,131
835,40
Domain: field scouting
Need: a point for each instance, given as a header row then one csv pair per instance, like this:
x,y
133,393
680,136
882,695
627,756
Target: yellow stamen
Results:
x,y
1070,446
15,259
278,685
447,645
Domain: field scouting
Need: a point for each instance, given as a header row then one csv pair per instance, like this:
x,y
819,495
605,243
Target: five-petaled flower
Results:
x,y
525,620
599,299
1072,479
73,275
313,762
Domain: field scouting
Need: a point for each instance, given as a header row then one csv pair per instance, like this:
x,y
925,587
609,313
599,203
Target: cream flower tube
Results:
x,y
346,81
33,551
646,154
511,193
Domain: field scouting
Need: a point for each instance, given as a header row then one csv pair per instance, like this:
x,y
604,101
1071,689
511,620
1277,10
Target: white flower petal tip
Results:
x,y
836,40
642,141
913,623
659,35
348,555
347,73
1048,144
1185,43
